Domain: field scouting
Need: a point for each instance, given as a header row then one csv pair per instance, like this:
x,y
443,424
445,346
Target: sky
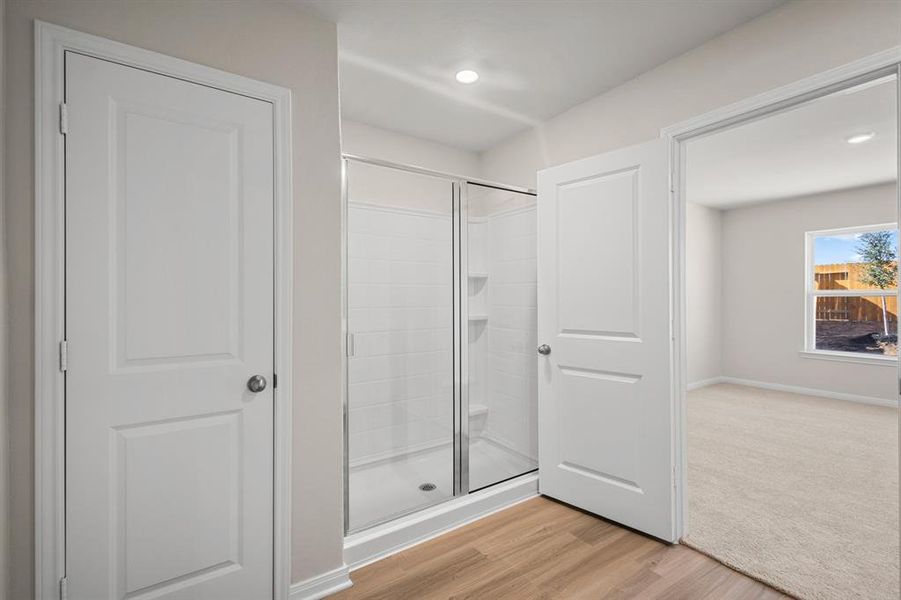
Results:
x,y
830,249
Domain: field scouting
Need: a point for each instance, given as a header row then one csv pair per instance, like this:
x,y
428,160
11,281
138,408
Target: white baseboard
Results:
x,y
365,547
321,586
696,385
794,389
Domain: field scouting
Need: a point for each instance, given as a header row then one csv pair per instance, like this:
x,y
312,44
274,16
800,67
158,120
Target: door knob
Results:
x,y
256,384
544,349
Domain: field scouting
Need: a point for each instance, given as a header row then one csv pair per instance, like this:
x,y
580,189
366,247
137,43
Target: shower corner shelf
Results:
x,y
477,318
477,275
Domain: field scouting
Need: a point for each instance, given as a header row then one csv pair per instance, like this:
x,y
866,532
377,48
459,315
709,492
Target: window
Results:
x,y
852,291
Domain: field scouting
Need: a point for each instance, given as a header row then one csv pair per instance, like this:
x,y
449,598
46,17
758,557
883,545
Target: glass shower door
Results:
x,y
502,307
400,323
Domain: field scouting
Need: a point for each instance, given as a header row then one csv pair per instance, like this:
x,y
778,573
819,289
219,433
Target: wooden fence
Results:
x,y
847,276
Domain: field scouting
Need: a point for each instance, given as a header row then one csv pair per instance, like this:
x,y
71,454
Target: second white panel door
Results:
x,y
169,312
605,387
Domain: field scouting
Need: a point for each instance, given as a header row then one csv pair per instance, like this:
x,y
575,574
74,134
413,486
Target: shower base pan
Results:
x,y
382,490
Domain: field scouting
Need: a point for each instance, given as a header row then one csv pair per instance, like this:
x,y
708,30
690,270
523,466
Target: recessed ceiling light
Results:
x,y
859,138
467,76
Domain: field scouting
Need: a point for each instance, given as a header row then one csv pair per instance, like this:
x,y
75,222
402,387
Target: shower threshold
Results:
x,y
384,489
380,541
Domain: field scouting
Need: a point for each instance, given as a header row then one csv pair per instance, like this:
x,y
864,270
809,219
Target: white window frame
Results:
x,y
811,294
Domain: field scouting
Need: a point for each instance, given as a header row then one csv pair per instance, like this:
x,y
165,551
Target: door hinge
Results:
x,y
64,588
63,118
63,356
275,381
351,349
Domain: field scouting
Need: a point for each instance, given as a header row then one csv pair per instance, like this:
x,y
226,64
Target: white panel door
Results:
x,y
169,312
605,398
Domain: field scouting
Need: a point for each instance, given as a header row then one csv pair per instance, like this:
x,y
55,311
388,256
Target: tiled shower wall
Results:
x,y
400,285
478,262
503,356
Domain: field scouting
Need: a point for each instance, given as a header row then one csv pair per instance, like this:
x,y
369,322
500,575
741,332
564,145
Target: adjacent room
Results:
x,y
792,316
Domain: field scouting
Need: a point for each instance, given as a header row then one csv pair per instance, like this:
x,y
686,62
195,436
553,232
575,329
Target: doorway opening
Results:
x,y
791,298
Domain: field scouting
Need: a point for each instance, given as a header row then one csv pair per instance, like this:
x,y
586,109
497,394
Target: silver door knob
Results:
x,y
256,384
544,349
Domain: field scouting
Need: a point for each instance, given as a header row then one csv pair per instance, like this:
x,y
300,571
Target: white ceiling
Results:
x,y
798,152
536,58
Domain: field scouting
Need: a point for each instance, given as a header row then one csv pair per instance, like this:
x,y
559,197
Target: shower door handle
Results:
x,y
544,349
350,345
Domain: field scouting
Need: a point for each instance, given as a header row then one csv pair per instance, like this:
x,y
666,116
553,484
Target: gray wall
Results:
x,y
704,292
374,142
745,277
763,259
4,441
270,41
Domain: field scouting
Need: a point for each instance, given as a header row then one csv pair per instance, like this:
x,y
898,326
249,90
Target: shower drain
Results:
x,y
427,487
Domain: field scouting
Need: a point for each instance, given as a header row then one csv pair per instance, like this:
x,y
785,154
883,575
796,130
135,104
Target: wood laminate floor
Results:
x,y
542,549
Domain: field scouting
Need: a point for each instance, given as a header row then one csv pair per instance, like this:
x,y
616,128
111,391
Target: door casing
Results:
x,y
872,67
51,44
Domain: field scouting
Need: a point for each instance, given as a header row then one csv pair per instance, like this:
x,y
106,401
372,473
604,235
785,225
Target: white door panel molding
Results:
x,y
604,310
163,267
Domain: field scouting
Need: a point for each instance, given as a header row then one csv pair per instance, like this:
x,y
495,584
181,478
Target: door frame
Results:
x,y
806,90
51,44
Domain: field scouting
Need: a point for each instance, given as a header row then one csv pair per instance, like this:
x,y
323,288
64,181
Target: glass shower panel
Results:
x,y
502,334
400,396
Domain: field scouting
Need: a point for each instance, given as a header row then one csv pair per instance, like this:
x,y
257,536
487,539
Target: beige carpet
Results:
x,y
797,491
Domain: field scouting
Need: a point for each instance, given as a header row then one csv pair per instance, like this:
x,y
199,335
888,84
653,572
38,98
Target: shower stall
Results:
x,y
441,320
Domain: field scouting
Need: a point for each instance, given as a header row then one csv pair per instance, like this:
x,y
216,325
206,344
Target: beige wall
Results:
x,y
704,292
4,439
270,41
745,304
385,186
763,290
374,142
797,40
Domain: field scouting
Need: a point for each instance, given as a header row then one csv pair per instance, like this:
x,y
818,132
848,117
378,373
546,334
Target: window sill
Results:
x,y
851,357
